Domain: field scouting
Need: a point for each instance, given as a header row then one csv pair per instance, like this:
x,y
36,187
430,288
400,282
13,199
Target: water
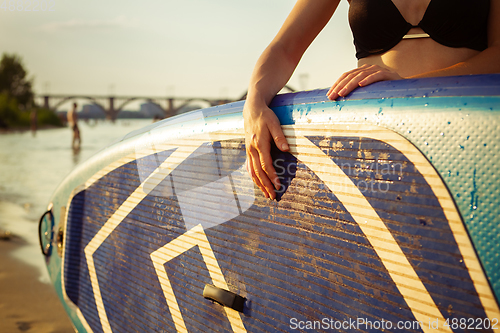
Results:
x,y
31,167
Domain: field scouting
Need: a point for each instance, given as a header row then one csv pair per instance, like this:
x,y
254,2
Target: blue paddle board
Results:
x,y
387,219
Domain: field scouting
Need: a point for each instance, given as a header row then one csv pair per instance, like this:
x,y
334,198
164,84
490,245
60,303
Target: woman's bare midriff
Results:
x,y
416,56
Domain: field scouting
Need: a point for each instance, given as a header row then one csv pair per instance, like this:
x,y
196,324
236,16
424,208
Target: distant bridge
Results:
x,y
112,105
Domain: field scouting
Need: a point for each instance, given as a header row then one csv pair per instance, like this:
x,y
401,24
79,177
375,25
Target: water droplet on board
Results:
x,y
449,122
409,131
449,173
461,147
426,104
426,143
468,136
442,134
484,145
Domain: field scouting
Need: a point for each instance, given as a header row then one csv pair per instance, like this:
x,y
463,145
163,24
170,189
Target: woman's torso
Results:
x,y
414,56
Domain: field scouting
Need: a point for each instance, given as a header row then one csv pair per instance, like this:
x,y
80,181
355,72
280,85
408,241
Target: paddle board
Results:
x,y
387,219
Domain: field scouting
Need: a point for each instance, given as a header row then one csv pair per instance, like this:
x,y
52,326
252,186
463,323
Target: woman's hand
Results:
x,y
262,126
360,77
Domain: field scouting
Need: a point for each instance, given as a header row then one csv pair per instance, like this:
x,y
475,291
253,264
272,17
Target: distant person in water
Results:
x,y
73,124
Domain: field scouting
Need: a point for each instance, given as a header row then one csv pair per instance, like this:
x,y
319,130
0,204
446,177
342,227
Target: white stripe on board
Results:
x,y
182,152
194,237
399,268
431,176
410,286
132,201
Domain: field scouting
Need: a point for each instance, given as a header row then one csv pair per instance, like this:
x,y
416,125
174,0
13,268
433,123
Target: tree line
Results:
x,y
18,109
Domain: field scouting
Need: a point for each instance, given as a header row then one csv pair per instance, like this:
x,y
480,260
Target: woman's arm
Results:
x,y
487,61
272,71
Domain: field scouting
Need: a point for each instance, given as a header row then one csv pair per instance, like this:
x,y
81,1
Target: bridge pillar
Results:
x,y
46,102
111,112
170,108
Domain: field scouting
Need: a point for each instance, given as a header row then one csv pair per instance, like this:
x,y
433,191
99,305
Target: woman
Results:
x,y
394,40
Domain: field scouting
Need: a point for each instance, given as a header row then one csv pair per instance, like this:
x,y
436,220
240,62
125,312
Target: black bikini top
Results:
x,y
377,25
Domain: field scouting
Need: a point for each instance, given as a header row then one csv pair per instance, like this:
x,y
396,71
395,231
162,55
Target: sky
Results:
x,y
185,48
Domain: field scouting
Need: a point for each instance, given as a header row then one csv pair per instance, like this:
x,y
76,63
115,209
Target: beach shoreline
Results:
x,y
26,303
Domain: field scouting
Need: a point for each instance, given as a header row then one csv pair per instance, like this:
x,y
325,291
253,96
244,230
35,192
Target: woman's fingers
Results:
x,y
334,91
344,76
255,179
379,76
351,82
361,76
282,144
260,130
261,166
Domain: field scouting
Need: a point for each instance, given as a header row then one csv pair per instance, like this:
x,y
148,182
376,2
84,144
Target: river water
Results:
x,y
31,167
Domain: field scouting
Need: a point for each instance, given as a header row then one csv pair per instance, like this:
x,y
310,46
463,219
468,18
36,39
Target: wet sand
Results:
x,y
26,304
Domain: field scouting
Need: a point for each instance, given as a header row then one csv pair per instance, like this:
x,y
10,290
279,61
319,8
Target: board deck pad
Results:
x,y
372,220
303,257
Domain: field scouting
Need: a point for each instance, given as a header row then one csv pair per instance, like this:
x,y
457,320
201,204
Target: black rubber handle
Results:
x,y
224,297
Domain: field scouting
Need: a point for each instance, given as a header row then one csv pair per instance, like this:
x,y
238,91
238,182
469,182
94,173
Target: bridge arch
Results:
x,y
206,102
126,102
66,99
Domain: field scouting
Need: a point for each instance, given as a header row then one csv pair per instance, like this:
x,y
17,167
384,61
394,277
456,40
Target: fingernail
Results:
x,y
342,92
333,96
284,146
